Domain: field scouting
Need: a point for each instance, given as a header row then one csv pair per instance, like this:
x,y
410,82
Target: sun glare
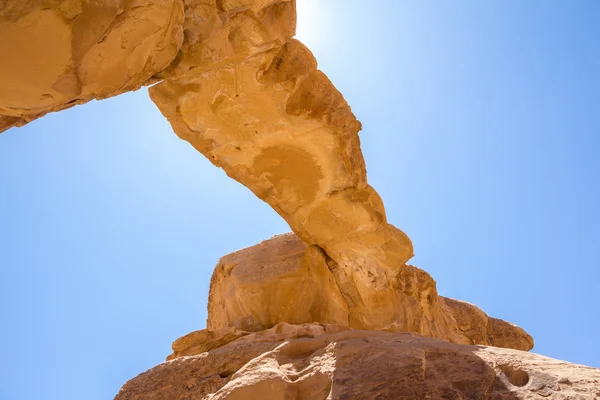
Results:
x,y
310,13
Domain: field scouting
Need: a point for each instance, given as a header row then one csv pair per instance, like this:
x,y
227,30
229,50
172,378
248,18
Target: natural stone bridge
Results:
x,y
233,82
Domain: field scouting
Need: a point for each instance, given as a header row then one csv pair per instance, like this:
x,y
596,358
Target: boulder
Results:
x,y
278,280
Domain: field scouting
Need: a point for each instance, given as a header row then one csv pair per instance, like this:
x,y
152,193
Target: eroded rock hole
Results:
x,y
516,376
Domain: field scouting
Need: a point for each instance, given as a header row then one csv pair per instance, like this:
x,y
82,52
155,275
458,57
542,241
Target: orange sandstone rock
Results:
x,y
235,85
56,54
284,280
356,364
277,125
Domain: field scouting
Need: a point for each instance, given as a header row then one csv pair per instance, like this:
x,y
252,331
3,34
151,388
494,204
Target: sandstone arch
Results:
x,y
233,82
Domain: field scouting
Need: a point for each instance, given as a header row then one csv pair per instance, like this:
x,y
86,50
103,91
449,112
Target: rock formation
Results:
x,y
322,313
246,354
284,280
312,361
255,105
56,54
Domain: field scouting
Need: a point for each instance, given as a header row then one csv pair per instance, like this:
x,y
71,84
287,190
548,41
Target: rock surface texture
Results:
x,y
284,280
56,54
332,311
252,100
326,362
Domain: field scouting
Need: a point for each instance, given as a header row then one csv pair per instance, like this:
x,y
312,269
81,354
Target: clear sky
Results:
x,y
481,133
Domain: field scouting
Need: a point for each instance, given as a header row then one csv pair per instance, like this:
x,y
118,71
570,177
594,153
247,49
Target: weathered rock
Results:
x,y
251,99
476,327
226,32
56,54
205,340
284,280
360,365
239,89
277,125
279,280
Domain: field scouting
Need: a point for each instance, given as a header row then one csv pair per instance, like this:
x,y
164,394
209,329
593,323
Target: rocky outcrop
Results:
x,y
56,54
316,362
284,280
280,280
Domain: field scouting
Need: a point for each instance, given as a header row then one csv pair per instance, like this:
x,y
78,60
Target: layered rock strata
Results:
x,y
314,362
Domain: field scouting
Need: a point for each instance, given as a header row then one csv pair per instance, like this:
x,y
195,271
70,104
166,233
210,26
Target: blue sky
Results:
x,y
481,133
